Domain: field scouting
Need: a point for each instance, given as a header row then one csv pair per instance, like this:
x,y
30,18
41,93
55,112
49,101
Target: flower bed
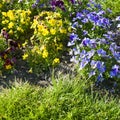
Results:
x,y
40,32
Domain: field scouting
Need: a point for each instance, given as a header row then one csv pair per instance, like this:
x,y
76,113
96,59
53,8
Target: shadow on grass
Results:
x,y
43,79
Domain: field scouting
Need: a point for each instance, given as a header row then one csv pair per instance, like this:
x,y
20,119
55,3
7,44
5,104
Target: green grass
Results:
x,y
114,5
67,99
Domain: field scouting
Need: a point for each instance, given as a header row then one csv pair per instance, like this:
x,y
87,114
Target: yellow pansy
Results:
x,y
45,32
25,56
45,54
3,22
35,48
52,31
52,22
20,29
22,21
35,23
23,13
25,43
10,25
40,28
30,70
11,32
59,23
10,14
56,61
63,30
28,12
6,21
8,66
5,56
69,29
4,14
57,15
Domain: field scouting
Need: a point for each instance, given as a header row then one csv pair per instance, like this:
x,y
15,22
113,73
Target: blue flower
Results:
x,y
100,66
117,56
85,20
113,47
75,25
79,15
102,41
117,18
101,52
34,5
83,54
73,37
84,11
109,10
37,1
103,22
93,17
100,78
92,43
92,72
76,51
98,6
115,70
101,12
90,53
85,32
86,41
72,1
93,64
84,62
108,36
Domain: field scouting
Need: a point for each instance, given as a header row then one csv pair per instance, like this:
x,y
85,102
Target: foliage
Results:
x,y
67,99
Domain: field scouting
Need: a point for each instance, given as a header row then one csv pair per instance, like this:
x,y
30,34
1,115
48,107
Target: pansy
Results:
x,y
115,70
73,37
101,52
84,62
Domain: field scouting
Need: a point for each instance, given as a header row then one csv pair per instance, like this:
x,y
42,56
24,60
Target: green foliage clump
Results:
x,y
65,100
